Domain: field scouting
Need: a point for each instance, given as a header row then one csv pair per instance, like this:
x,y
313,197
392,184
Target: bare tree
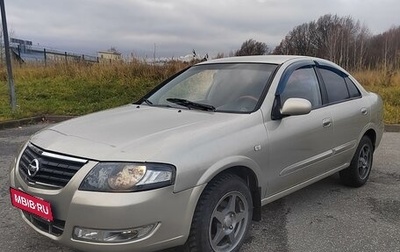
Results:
x,y
2,56
220,55
384,50
252,47
339,39
2,52
361,47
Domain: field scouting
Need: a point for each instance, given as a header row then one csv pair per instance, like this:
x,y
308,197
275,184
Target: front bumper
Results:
x,y
113,211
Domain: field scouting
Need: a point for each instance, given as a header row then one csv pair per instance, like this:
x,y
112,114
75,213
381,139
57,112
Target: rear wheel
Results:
x,y
358,172
222,217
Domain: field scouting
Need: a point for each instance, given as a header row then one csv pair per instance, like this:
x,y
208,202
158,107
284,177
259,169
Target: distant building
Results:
x,y
23,51
24,45
109,56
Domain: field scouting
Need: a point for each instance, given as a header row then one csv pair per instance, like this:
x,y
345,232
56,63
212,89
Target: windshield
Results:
x,y
234,87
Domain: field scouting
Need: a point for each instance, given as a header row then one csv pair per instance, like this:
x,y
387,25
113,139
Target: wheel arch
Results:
x,y
232,180
371,134
251,180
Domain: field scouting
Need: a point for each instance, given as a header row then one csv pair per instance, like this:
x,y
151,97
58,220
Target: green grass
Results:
x,y
77,89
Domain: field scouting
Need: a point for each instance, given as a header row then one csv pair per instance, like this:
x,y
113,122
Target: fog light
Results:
x,y
112,236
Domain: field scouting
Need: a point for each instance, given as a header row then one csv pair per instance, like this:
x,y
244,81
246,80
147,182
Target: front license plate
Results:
x,y
31,204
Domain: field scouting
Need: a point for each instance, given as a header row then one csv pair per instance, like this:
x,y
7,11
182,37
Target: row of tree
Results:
x,y
339,39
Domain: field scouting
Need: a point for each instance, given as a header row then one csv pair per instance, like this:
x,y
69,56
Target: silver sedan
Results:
x,y
192,162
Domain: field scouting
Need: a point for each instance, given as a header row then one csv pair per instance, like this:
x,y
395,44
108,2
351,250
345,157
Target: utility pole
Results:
x,y
13,100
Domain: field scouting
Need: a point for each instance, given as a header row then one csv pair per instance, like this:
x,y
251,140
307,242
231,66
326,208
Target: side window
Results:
x,y
353,90
303,83
335,84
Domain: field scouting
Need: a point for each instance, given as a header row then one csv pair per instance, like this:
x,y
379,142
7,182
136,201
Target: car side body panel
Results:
x,y
309,144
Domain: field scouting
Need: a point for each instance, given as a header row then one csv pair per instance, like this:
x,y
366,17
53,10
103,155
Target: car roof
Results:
x,y
271,59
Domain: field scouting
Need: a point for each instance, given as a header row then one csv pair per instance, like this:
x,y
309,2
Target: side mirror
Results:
x,y
296,106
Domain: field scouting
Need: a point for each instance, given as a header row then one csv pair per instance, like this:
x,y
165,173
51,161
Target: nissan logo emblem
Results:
x,y
33,167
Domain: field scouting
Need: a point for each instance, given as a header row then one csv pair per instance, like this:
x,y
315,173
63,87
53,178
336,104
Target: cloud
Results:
x,y
175,27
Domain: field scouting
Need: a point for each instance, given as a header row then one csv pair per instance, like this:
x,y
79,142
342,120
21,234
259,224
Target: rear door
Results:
x,y
348,110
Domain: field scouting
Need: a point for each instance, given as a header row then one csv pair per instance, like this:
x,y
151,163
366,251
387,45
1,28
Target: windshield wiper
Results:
x,y
191,105
150,103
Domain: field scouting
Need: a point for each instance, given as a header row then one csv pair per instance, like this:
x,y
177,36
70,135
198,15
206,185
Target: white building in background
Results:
x,y
111,55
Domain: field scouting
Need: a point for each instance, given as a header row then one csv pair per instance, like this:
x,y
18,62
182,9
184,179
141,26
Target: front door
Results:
x,y
299,145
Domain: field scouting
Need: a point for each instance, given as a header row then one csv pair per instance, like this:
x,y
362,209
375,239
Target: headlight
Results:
x,y
128,177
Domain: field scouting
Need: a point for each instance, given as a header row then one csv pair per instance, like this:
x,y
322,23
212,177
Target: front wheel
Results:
x,y
358,172
222,217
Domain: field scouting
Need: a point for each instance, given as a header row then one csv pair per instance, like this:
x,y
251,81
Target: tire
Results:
x,y
222,217
357,173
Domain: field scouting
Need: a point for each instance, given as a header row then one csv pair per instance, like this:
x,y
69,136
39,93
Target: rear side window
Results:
x,y
335,84
353,90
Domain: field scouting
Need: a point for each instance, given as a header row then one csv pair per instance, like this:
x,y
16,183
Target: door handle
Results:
x,y
364,111
327,122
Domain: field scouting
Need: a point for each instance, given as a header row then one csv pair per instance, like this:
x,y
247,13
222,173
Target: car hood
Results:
x,y
134,133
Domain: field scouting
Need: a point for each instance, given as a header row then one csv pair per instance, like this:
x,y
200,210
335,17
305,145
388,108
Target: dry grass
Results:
x,y
77,89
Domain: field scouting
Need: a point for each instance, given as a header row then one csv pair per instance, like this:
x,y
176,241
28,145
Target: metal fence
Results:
x,y
35,54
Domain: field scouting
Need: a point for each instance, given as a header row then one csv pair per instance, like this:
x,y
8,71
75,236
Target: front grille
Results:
x,y
55,228
46,169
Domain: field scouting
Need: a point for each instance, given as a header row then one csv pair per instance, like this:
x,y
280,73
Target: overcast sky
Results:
x,y
173,28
